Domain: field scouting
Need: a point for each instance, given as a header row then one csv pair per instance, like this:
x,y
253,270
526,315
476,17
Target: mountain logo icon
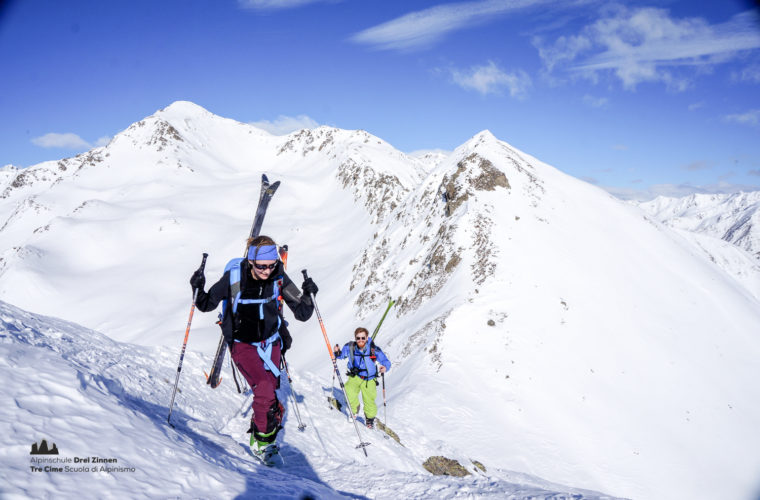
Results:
x,y
43,449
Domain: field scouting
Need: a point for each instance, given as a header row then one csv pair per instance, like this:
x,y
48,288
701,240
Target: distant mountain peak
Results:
x,y
184,108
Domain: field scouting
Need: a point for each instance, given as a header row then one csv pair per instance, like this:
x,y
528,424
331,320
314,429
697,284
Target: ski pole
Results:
x,y
362,444
184,344
332,389
385,407
234,376
301,425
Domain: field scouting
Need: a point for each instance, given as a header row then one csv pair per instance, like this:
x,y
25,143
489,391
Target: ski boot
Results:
x,y
266,452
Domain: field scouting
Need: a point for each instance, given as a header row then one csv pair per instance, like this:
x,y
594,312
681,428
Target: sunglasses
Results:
x,y
264,267
361,338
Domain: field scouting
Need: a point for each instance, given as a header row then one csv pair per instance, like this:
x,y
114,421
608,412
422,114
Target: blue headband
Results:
x,y
264,252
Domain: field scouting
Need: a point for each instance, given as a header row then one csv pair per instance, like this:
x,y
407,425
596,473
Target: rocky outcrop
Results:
x,y
442,466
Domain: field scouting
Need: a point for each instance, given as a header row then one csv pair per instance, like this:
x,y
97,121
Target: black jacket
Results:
x,y
246,325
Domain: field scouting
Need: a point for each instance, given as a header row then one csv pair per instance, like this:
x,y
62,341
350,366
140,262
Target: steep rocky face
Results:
x,y
378,176
380,193
442,226
306,141
164,134
479,175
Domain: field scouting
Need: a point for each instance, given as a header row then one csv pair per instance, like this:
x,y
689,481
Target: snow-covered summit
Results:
x,y
186,110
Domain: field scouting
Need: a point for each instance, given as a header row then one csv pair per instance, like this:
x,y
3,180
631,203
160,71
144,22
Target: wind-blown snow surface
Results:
x,y
94,397
542,325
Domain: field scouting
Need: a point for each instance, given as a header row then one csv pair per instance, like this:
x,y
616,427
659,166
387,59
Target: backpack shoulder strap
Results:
x,y
235,268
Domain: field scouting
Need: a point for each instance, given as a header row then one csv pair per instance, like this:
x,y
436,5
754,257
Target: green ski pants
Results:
x,y
368,388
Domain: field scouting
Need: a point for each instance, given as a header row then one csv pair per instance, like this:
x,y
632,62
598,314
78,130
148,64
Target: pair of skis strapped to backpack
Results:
x,y
267,192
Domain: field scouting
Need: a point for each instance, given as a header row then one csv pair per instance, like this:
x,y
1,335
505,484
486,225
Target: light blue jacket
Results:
x,y
362,364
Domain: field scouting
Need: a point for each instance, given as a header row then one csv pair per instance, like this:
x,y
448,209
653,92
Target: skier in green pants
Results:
x,y
365,361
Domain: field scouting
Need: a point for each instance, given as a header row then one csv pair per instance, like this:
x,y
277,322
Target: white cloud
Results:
x,y
277,4
423,28
490,79
647,45
751,117
286,124
64,141
697,105
750,74
103,141
595,102
563,50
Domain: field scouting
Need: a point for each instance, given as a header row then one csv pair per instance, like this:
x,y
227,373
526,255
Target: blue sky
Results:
x,y
639,97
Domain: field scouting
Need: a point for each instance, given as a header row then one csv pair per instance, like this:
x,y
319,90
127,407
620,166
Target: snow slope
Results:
x,y
542,325
94,397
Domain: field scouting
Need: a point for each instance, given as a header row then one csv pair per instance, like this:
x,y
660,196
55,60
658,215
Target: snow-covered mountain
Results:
x,y
542,325
726,227
734,218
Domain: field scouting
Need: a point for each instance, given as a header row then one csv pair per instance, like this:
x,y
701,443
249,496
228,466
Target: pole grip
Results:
x,y
305,276
203,262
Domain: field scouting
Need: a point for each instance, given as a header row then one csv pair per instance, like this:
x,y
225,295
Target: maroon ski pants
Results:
x,y
267,412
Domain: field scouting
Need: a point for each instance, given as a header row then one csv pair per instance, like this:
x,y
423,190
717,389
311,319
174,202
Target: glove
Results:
x,y
336,350
309,287
198,280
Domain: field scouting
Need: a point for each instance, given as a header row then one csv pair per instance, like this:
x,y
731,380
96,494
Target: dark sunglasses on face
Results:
x,y
361,338
264,267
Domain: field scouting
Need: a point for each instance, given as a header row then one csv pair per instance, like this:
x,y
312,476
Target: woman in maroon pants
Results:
x,y
253,291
